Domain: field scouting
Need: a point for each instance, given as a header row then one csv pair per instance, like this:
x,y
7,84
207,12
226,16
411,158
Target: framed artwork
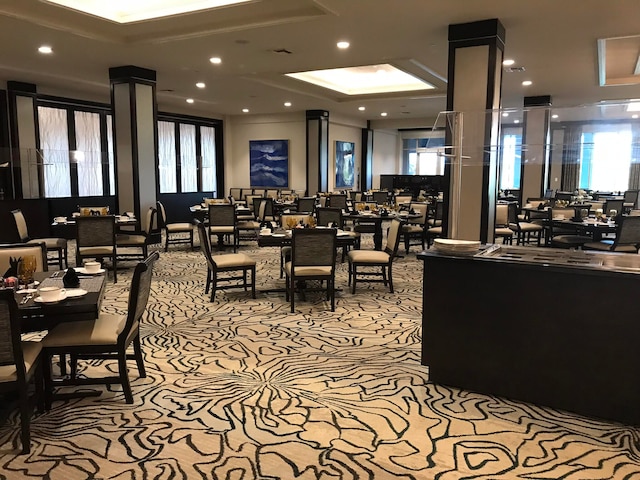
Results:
x,y
269,163
344,164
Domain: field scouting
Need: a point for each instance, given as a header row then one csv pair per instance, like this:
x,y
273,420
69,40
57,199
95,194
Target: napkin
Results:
x,y
70,279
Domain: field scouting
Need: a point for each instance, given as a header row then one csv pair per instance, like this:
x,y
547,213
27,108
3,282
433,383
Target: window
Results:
x,y
87,155
188,163
167,157
54,147
423,156
510,160
208,153
605,158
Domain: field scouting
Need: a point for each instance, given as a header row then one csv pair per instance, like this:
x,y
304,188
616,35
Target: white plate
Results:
x,y
76,292
84,271
277,235
27,290
41,300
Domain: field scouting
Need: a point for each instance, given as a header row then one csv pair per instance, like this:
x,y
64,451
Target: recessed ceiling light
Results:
x,y
342,45
526,83
516,121
245,110
200,85
555,115
383,114
287,104
362,109
46,49
508,62
126,11
366,79
505,114
215,60
634,115
190,100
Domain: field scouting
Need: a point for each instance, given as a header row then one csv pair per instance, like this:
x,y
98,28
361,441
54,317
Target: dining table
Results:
x,y
376,219
593,227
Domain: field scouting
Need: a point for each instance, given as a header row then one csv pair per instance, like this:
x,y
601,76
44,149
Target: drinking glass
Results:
x,y
26,269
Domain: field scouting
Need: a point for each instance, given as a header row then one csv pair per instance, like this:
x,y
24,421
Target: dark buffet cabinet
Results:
x,y
432,184
550,327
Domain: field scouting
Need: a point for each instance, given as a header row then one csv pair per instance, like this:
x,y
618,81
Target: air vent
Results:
x,y
514,69
282,51
170,90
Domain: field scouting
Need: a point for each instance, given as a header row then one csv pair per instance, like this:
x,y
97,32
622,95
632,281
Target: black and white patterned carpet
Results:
x,y
242,389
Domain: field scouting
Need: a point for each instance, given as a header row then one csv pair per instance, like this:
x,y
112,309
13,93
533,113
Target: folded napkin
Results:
x,y
70,279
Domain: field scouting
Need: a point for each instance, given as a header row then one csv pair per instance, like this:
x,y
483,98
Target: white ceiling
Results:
x,y
555,40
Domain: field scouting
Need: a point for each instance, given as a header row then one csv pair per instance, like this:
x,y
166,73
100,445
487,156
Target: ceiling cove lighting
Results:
x,y
127,11
342,45
201,85
363,80
46,49
215,60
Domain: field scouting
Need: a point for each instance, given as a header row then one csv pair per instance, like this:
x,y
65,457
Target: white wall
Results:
x,y
240,129
387,147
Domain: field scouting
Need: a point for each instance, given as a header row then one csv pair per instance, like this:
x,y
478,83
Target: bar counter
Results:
x,y
547,326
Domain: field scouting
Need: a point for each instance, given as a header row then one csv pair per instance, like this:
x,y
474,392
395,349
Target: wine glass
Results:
x,y
26,269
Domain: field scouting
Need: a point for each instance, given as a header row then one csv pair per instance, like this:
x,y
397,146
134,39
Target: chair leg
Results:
x,y
124,376
166,241
214,285
253,282
385,282
137,351
48,381
244,279
292,296
354,275
390,278
331,285
25,419
73,364
208,284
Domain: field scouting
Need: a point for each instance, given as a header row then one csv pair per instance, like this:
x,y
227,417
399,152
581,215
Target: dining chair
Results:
x,y
96,238
11,253
330,216
630,200
401,200
501,229
174,232
560,236
223,264
415,228
223,223
263,209
381,197
376,259
613,204
235,193
434,222
524,229
57,245
101,210
20,365
107,337
306,205
337,201
141,239
313,257
627,239
271,193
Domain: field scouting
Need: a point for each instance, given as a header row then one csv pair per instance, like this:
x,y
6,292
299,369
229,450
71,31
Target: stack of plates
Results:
x,y
456,247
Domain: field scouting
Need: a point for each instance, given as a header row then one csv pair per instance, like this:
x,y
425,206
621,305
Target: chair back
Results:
x,y
260,191
628,232
400,199
162,214
381,197
222,215
616,205
422,209
306,204
95,231
235,193
502,215
337,201
330,215
253,202
361,206
313,247
290,220
273,194
10,338
205,245
263,208
631,196
21,225
17,250
138,295
150,217
393,237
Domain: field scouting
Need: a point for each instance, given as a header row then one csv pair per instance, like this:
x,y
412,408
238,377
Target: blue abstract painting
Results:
x,y
269,163
344,164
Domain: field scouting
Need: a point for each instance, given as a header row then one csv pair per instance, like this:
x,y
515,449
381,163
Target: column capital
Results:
x,y
127,73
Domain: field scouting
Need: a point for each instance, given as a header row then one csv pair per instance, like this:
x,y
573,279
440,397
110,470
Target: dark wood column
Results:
x,y
475,81
133,98
366,164
317,151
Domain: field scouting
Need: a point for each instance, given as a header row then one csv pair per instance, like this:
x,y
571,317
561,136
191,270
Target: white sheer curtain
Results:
x,y
112,163
188,163
54,144
610,160
208,150
167,157
87,154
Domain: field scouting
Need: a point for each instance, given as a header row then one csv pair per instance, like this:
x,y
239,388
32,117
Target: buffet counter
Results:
x,y
547,326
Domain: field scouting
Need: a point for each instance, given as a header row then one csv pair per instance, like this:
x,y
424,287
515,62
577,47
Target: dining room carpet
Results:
x,y
242,389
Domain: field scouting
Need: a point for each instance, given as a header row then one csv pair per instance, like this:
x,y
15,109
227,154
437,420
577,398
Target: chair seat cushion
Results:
x,y
570,239
233,260
105,250
435,231
308,271
503,232
248,225
179,227
412,229
51,243
216,230
30,352
526,226
368,256
102,331
123,239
